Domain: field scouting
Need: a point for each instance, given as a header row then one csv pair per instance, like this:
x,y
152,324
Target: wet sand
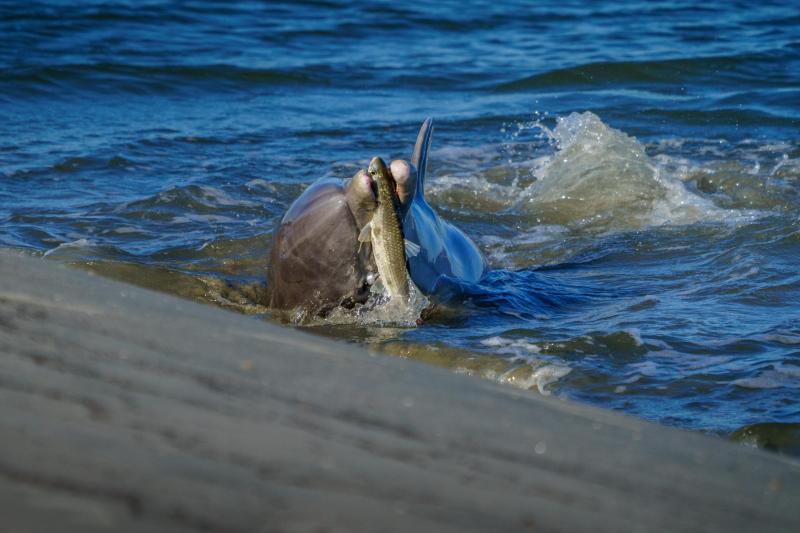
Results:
x,y
128,410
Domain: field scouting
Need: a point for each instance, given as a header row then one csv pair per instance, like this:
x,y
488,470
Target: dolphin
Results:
x,y
444,249
317,262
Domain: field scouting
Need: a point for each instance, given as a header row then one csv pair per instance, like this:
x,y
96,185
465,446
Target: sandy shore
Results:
x,y
128,410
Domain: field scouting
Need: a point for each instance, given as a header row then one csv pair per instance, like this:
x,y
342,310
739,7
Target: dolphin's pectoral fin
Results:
x,y
412,249
365,236
366,233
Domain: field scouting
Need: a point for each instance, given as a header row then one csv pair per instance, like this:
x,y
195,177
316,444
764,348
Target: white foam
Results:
x,y
219,197
540,377
206,195
602,176
211,219
259,183
500,248
480,152
79,243
124,230
780,376
542,373
517,347
781,338
636,335
377,312
495,341
645,368
474,192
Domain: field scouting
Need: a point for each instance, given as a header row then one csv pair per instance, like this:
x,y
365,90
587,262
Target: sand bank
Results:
x,y
128,410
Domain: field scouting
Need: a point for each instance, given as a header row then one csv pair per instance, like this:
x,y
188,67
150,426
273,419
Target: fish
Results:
x,y
385,233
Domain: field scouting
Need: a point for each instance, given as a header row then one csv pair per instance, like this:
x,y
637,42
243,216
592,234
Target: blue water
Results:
x,y
631,171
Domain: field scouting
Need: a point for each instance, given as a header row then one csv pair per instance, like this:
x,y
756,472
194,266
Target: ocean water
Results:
x,y
630,169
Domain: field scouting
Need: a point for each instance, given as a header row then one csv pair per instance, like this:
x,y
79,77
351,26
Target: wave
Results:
x,y
156,78
604,179
598,179
669,76
193,199
735,70
86,251
74,164
219,77
778,376
781,437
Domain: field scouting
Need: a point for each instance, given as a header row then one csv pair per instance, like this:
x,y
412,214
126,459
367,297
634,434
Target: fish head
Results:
x,y
384,182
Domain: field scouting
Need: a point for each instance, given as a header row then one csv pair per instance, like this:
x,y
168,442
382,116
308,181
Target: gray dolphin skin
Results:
x,y
317,264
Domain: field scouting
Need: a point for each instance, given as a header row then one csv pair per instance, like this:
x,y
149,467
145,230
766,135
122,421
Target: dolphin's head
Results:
x,y
316,262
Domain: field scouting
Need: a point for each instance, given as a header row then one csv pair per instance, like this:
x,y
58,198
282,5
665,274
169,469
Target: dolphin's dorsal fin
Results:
x,y
419,157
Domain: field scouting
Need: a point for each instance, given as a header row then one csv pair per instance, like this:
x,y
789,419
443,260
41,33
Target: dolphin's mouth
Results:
x,y
373,185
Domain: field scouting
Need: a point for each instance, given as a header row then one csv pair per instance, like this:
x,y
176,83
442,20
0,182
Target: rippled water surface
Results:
x,y
630,170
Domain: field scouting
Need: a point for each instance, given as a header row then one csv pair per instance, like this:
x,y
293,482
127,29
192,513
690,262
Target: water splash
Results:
x,y
600,178
78,243
378,311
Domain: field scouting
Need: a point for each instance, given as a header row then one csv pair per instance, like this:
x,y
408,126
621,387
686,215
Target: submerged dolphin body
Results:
x,y
317,263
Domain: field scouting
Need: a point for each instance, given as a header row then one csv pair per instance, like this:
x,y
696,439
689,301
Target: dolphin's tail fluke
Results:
x,y
419,158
